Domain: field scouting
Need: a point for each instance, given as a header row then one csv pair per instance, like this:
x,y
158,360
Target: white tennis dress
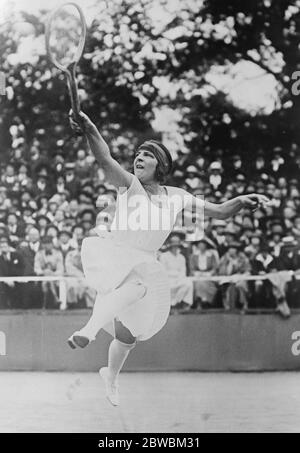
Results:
x,y
129,250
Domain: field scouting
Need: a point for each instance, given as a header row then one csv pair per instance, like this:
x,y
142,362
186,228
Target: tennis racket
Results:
x,y
65,40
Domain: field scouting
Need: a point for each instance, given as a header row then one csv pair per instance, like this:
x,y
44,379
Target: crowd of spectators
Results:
x,y
47,206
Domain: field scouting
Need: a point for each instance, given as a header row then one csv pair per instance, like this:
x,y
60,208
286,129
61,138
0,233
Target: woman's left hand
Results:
x,y
254,201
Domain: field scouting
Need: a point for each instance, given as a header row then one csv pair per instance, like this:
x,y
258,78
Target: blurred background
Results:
x,y
212,80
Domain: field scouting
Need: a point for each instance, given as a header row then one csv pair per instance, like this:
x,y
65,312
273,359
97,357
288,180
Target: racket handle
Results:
x,y
74,98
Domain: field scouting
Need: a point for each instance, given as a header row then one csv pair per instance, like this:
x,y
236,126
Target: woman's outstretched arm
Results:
x,y
114,173
231,207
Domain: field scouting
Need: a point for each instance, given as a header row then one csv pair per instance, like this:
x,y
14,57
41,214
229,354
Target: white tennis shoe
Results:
x,y
111,387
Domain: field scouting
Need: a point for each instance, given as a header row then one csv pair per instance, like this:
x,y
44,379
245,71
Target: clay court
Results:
x,y
151,402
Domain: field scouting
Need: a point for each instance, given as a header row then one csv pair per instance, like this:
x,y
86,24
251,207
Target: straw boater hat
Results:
x,y
206,241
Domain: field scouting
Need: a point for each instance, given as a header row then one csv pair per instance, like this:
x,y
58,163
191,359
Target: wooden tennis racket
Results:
x,y
65,40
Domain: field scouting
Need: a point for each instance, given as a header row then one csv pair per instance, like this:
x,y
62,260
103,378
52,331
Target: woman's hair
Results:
x,y
163,156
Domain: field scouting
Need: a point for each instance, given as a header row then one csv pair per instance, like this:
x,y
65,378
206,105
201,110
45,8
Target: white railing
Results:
x,y
215,278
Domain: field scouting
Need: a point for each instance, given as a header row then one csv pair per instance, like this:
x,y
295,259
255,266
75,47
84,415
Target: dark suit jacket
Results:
x,y
12,266
28,256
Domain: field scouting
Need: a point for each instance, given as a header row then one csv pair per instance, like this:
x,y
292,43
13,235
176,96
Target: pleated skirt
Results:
x,y
108,264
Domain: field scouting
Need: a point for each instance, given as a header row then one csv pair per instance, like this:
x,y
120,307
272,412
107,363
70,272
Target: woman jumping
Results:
x,y
132,287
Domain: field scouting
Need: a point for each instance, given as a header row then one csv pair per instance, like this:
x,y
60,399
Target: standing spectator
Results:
x,y
204,263
11,265
32,294
49,262
234,262
175,265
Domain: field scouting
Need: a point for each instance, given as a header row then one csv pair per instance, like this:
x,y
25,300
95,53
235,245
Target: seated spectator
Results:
x,y
77,235
79,294
262,264
73,209
15,228
218,232
296,228
27,215
64,243
204,262
83,170
42,186
59,219
42,223
49,262
254,246
52,231
175,265
234,262
11,265
10,179
24,181
72,184
215,175
192,177
42,203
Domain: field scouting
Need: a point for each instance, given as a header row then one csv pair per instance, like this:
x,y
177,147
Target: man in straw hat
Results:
x,y
234,262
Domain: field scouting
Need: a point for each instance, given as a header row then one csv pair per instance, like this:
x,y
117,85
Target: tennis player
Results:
x,y
133,292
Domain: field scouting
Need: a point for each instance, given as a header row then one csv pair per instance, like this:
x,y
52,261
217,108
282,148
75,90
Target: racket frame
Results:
x,y
70,70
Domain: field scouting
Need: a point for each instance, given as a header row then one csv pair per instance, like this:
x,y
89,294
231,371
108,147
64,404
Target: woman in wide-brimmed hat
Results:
x,y
204,263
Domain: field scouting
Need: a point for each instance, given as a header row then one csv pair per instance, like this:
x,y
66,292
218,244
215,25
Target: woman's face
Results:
x,y
145,164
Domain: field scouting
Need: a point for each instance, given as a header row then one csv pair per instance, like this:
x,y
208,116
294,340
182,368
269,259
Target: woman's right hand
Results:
x,y
82,124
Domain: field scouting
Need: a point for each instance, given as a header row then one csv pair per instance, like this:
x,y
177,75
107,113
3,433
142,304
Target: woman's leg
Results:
x,y
106,308
118,352
119,349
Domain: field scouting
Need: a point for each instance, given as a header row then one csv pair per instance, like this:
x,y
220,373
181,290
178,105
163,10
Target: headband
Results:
x,y
161,153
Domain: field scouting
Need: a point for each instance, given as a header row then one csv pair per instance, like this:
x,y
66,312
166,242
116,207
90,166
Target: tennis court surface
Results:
x,y
151,402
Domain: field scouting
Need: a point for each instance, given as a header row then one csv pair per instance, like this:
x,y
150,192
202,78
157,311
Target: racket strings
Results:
x,y
65,36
